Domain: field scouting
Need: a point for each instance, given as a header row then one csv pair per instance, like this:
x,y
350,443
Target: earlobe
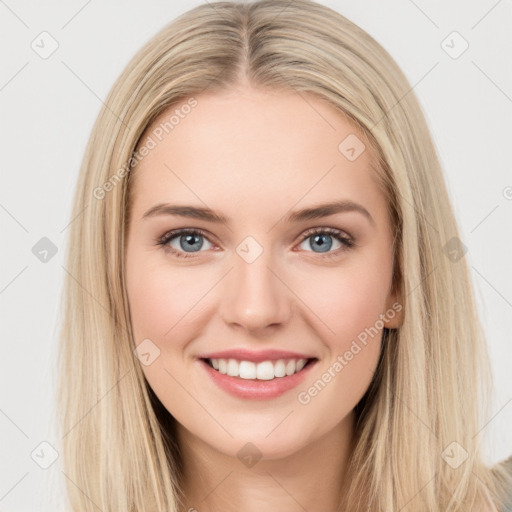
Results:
x,y
393,316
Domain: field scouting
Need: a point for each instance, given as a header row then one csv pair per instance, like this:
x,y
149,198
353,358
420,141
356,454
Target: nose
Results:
x,y
255,298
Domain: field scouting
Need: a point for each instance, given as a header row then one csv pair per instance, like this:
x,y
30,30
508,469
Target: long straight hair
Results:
x,y
428,398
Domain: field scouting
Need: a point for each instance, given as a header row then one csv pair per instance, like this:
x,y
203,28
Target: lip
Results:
x,y
255,356
255,389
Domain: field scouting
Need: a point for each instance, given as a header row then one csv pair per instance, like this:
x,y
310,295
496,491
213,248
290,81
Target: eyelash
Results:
x,y
347,242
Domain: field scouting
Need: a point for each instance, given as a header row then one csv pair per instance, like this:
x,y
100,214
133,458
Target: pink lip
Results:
x,y
257,389
254,356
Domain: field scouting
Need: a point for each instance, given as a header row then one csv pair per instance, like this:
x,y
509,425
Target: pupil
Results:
x,y
190,240
324,242
324,245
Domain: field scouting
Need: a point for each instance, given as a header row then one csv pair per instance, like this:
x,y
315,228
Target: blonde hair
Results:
x,y
118,446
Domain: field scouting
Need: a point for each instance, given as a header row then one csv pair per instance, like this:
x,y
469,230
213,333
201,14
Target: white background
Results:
x,y
48,107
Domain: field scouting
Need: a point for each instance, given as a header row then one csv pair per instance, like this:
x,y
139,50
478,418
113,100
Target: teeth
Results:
x,y
266,370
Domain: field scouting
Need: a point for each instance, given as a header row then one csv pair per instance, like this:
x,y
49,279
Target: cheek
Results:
x,y
361,300
347,303
346,300
161,299
351,310
164,309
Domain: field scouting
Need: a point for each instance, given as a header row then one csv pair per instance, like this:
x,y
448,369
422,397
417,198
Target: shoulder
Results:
x,y
505,467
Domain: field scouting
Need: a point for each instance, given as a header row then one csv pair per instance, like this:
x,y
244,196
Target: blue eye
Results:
x,y
187,239
190,241
322,239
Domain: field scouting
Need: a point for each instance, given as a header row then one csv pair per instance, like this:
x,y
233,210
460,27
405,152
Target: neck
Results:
x,y
310,478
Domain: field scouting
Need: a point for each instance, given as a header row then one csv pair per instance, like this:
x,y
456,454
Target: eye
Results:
x,y
321,238
188,241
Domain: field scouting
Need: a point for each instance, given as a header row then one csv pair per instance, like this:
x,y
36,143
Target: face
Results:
x,y
263,278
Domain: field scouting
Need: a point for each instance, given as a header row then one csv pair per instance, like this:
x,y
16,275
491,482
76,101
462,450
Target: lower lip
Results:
x,y
257,389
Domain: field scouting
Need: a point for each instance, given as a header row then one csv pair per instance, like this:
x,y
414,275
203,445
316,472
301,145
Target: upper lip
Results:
x,y
255,356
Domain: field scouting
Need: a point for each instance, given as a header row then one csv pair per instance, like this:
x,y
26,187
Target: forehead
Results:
x,y
247,147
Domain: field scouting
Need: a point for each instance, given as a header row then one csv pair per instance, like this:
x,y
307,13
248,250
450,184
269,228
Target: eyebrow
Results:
x,y
314,212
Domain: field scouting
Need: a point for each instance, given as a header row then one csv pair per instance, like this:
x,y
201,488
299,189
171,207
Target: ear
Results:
x,y
393,316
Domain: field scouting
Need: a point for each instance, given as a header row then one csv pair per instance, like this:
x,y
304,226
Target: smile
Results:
x,y
264,370
258,381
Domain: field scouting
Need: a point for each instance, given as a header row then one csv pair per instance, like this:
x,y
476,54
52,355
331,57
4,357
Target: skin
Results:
x,y
254,156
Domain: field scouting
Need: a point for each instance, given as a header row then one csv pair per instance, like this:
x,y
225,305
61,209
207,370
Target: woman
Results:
x,y
224,362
